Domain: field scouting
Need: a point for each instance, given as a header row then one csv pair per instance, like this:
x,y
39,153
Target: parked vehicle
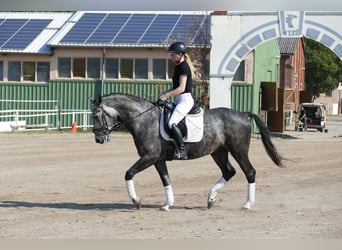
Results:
x,y
315,116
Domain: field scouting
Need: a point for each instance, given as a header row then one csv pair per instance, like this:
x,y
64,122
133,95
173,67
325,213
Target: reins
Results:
x,y
159,103
143,112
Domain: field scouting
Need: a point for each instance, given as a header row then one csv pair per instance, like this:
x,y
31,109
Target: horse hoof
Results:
x,y
164,208
211,203
247,206
137,203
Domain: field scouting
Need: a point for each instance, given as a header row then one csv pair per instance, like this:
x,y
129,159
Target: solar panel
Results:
x,y
110,26
84,28
202,30
134,29
160,29
26,34
186,28
203,33
8,28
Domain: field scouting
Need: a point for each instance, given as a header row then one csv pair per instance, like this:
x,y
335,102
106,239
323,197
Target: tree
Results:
x,y
323,69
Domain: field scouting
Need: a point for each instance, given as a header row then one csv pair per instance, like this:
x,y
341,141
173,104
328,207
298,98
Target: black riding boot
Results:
x,y
178,137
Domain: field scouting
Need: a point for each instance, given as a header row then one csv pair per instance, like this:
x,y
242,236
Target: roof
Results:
x,y
29,32
133,29
287,45
40,32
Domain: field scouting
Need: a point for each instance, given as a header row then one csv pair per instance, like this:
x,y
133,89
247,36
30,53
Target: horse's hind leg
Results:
x,y
220,156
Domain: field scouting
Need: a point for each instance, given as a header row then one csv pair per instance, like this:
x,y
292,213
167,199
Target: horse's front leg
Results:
x,y
164,176
140,165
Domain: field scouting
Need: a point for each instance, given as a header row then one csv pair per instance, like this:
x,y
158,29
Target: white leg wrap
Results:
x,y
169,198
250,196
251,193
131,190
219,184
169,195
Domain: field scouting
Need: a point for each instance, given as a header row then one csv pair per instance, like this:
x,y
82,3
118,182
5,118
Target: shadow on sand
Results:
x,y
85,206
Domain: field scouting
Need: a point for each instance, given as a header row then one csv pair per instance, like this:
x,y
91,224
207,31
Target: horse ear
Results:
x,y
96,101
92,100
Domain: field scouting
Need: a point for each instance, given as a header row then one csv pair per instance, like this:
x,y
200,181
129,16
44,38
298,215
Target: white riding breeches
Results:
x,y
184,103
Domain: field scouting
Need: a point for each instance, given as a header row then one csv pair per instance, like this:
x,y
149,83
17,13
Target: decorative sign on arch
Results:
x,y
291,23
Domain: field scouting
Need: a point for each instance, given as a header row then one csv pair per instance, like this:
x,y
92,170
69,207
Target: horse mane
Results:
x,y
129,96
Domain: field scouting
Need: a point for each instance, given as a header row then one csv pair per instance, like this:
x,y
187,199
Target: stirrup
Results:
x,y
181,155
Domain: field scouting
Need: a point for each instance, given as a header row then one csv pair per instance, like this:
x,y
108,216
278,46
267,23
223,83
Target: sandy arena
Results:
x,y
65,186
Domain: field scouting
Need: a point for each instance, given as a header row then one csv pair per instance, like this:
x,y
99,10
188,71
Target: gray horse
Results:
x,y
225,131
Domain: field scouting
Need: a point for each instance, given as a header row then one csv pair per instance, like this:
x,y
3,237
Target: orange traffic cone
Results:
x,y
74,127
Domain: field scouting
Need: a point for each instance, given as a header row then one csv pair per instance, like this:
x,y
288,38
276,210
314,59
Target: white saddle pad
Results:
x,y
194,126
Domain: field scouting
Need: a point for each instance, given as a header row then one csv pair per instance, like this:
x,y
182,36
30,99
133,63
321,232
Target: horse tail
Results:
x,y
266,139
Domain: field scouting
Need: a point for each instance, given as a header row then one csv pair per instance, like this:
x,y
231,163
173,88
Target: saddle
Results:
x,y
191,126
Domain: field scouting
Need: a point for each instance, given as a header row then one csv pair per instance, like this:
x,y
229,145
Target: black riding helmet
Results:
x,y
178,47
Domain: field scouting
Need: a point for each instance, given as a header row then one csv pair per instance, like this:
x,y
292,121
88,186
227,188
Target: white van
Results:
x,y
315,116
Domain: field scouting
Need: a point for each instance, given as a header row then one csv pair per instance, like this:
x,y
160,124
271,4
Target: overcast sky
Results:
x,y
245,5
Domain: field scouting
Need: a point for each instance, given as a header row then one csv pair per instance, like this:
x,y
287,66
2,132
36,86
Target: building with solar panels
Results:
x,y
95,45
52,60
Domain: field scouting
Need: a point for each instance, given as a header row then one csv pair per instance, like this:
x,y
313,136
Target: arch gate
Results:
x,y
235,34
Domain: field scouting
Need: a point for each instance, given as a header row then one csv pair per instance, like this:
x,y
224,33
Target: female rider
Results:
x,y
181,90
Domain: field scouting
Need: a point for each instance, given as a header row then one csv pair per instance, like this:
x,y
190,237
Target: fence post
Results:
x,y
16,120
73,117
85,121
46,122
58,116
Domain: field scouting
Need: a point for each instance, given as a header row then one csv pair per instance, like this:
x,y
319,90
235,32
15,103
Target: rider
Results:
x,y
181,90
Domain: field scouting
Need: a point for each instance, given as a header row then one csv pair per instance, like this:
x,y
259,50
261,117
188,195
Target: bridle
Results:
x,y
105,128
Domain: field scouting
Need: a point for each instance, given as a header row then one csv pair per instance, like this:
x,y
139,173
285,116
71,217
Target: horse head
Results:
x,y
104,120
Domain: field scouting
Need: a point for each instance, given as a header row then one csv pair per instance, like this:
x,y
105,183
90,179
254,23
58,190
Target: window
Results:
x,y
1,71
64,67
14,71
140,69
29,71
79,67
159,69
43,71
112,68
126,68
170,68
93,67
240,72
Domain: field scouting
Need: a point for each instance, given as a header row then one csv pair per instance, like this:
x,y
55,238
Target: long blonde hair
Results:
x,y
189,62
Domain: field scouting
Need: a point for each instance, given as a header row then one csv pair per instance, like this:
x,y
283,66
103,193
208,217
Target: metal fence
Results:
x,y
19,120
42,119
59,103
